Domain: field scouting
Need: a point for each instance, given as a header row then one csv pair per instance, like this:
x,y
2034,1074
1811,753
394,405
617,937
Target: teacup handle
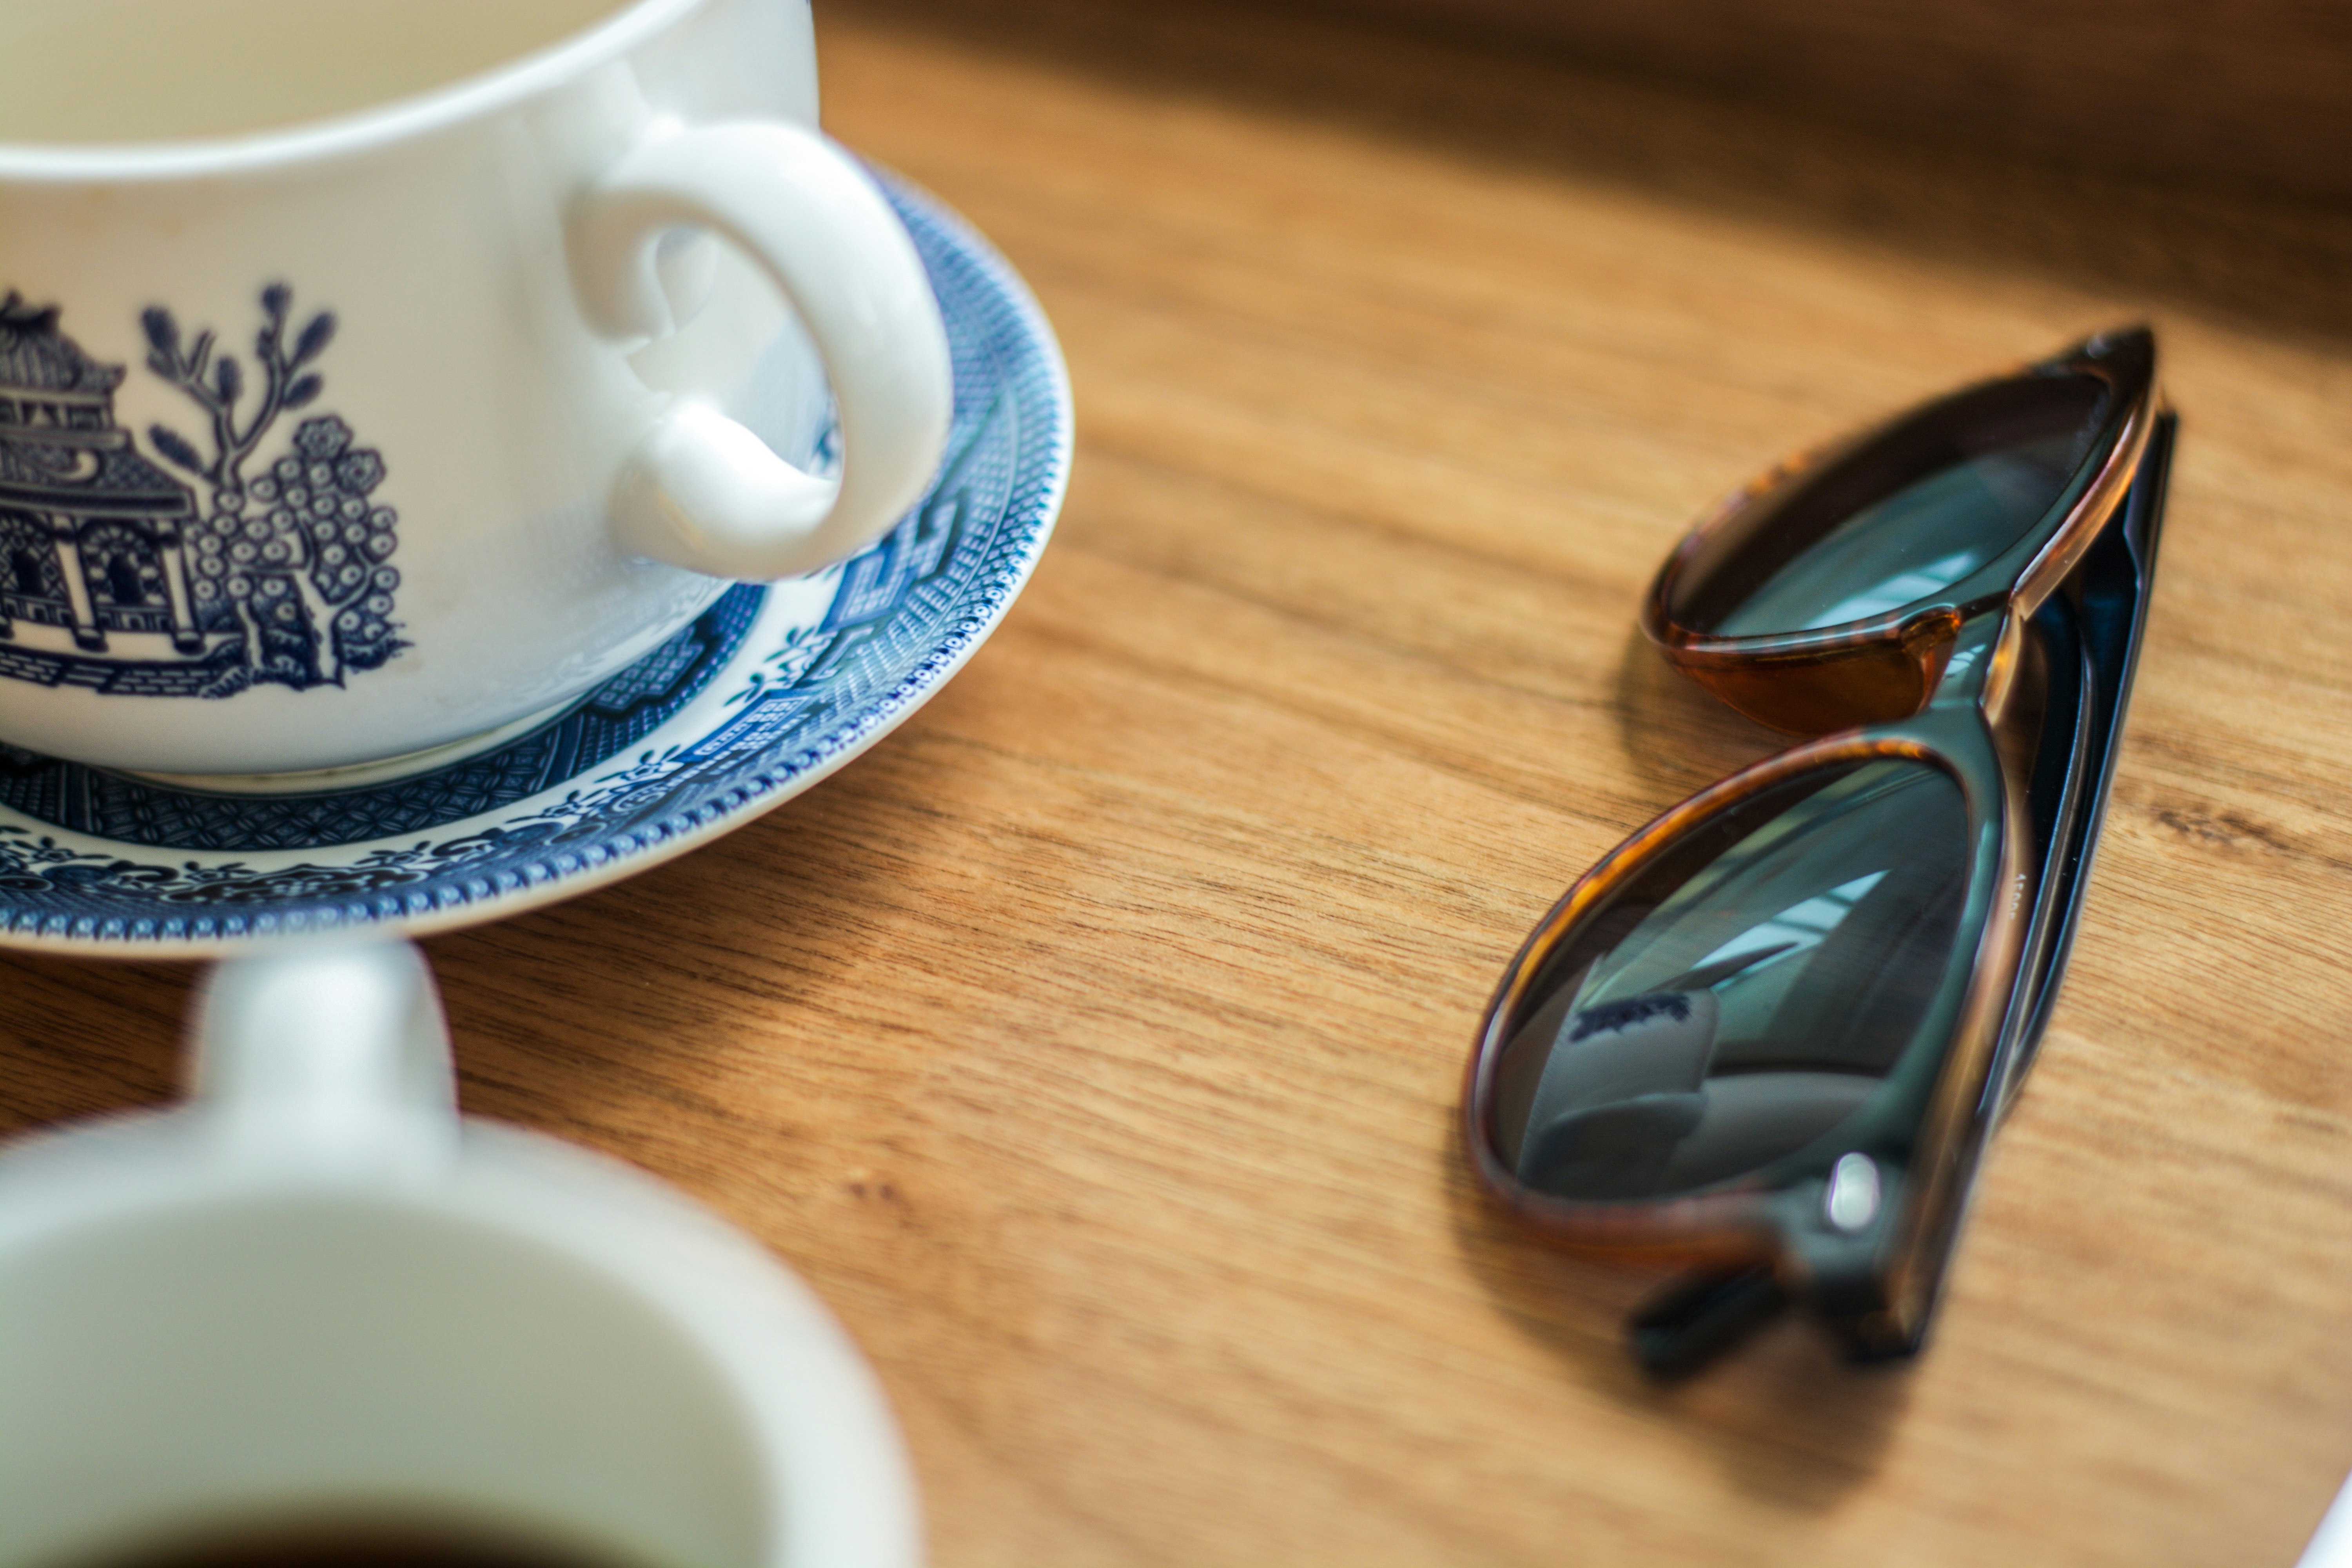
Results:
x,y
700,490
331,1056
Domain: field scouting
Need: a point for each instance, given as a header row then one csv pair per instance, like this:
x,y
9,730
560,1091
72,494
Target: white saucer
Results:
x,y
771,691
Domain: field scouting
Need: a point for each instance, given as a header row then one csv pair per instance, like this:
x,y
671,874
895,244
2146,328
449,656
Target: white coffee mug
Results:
x,y
314,1293
370,378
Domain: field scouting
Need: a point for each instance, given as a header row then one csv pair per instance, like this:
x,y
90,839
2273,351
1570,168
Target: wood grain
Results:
x,y
1093,1043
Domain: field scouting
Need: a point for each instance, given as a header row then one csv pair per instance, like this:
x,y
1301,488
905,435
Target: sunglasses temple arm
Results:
x,y
2116,579
1702,1316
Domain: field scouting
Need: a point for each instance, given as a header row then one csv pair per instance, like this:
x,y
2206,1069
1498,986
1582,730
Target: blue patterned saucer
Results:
x,y
772,690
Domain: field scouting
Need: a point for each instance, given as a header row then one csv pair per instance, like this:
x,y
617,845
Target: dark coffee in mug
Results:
x,y
357,1543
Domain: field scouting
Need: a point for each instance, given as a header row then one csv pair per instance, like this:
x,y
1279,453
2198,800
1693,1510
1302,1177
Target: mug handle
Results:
x,y
700,490
330,1056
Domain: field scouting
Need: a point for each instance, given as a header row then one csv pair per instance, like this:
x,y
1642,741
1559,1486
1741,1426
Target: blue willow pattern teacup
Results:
x,y
360,436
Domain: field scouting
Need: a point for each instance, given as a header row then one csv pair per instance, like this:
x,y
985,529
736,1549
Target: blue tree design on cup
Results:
x,y
297,555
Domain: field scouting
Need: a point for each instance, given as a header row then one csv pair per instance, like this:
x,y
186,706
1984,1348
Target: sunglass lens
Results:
x,y
1744,994
1904,517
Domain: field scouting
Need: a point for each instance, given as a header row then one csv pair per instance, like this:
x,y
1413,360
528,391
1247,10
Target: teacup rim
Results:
x,y
367,128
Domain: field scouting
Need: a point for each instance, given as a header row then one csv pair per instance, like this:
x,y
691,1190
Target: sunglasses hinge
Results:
x,y
1980,668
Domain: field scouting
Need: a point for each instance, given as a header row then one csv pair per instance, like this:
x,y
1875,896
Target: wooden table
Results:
x,y
1093,1045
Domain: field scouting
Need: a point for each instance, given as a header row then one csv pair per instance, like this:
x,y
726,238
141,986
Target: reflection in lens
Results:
x,y
1922,539
1744,995
1908,515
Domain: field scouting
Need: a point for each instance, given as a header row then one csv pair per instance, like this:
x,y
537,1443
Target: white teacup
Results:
x,y
370,380
314,1293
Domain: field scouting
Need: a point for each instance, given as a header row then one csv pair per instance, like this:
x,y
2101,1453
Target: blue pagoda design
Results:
x,y
118,575
93,557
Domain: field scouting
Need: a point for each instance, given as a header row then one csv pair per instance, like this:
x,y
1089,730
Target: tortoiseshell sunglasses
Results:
x,y
1772,1030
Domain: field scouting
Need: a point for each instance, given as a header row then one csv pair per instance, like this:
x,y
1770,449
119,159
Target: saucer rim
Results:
x,y
945,661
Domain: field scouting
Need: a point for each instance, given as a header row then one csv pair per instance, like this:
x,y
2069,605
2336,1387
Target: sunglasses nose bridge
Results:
x,y
1979,660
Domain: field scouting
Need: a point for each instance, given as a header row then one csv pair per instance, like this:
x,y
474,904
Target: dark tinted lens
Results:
x,y
1906,516
1744,995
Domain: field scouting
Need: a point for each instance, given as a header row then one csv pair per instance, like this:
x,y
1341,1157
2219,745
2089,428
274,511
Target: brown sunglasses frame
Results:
x,y
1929,1125
1887,667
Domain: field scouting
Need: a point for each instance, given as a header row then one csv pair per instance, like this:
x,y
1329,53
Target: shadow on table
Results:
x,y
623,1018
1785,1418
83,1039
1678,737
2275,262
554,1013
